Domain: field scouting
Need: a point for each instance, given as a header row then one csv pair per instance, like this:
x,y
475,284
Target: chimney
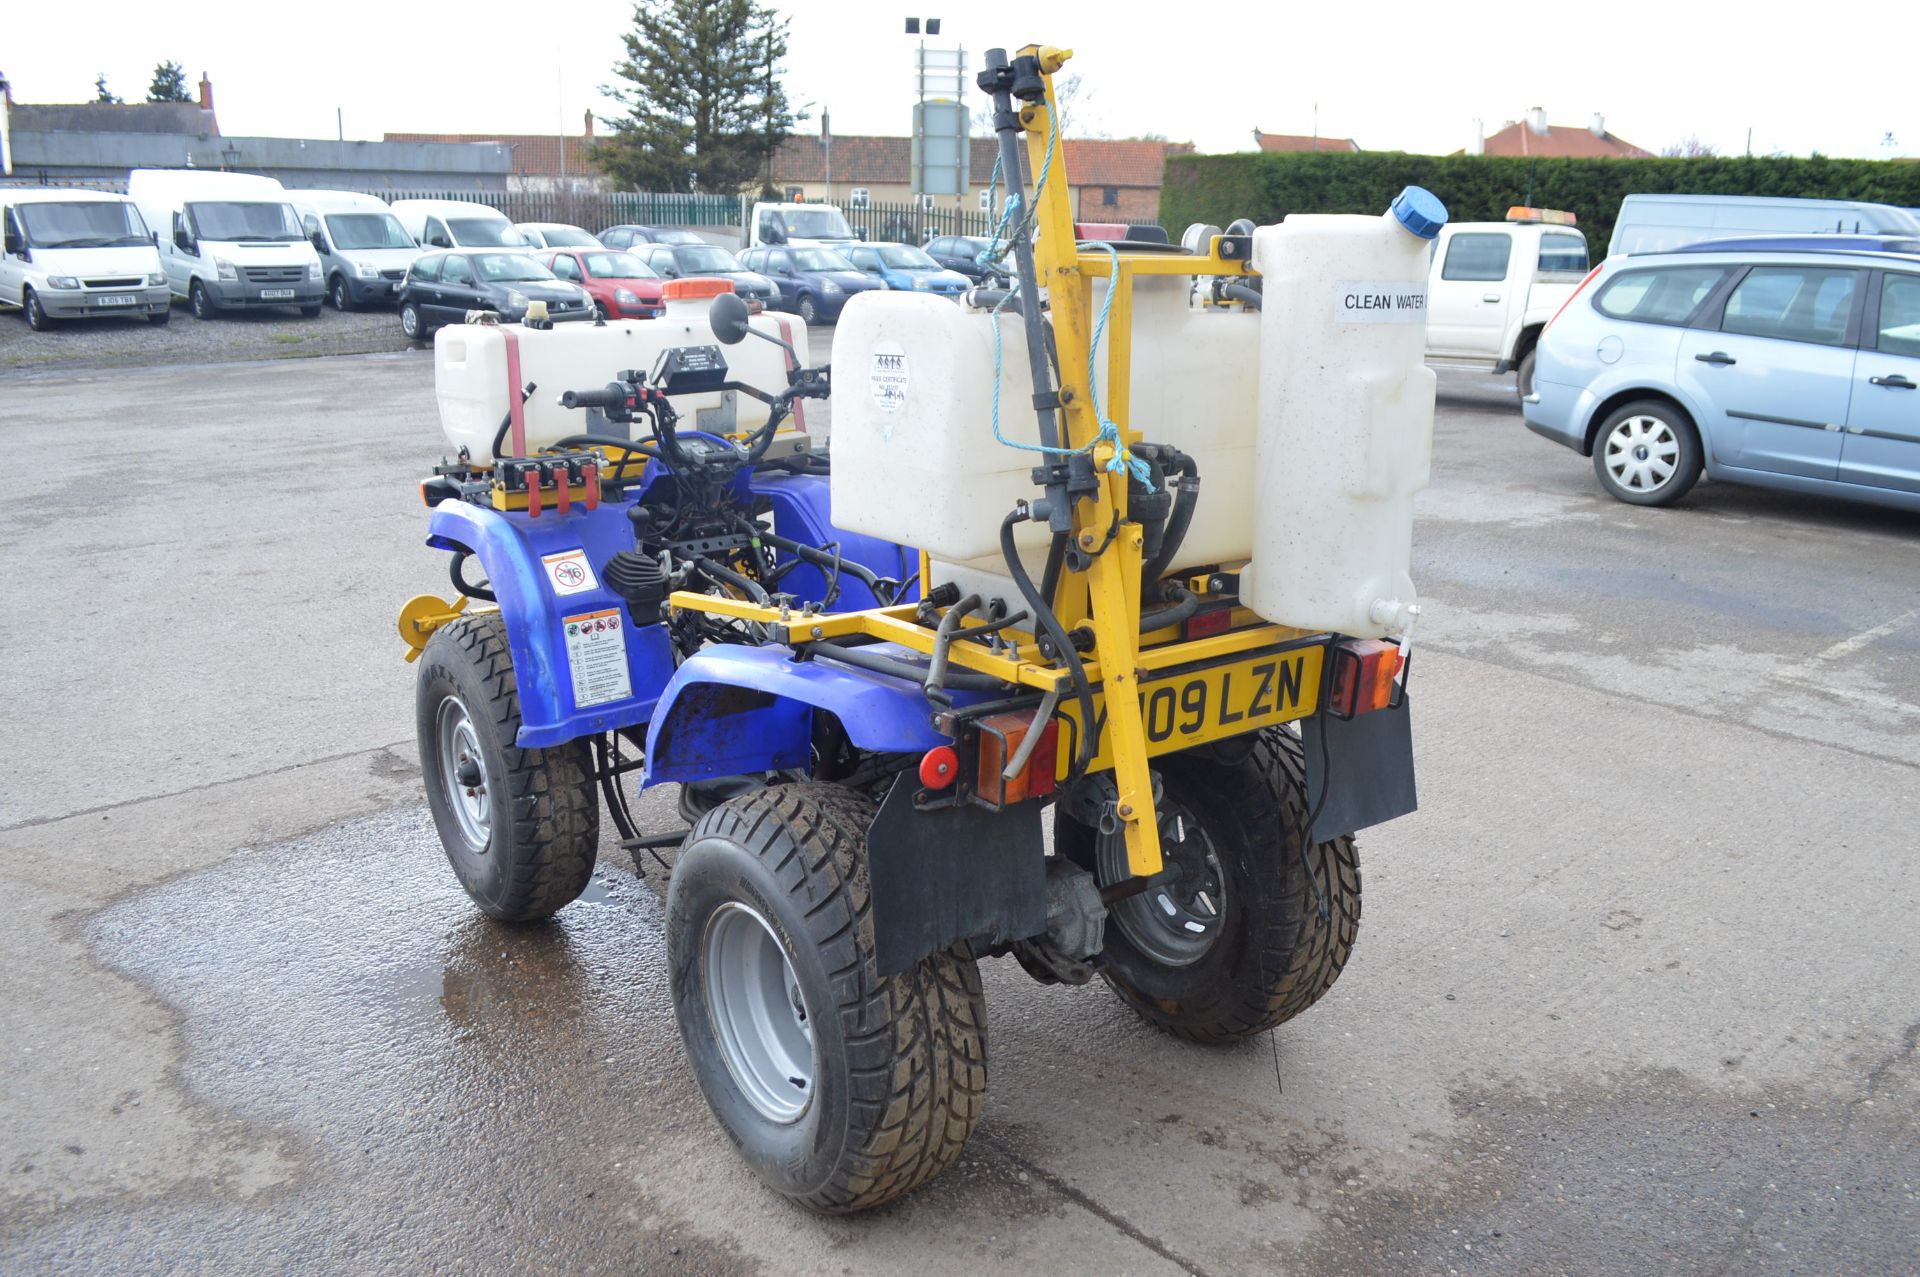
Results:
x,y
206,92
1479,146
589,132
1537,120
1599,126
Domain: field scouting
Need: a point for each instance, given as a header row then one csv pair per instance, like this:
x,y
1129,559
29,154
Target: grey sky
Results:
x,y
1393,76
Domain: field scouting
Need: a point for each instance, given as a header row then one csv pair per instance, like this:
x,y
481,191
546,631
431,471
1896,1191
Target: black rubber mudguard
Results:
x,y
1362,765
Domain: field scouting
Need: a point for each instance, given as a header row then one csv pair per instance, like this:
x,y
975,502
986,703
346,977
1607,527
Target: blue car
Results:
x,y
814,283
908,268
1783,369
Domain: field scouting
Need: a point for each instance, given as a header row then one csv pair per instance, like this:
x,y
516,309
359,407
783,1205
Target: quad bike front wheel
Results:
x,y
1230,939
843,1089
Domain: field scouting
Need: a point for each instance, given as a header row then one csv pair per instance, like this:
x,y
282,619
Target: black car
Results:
x,y
628,236
701,259
441,288
962,253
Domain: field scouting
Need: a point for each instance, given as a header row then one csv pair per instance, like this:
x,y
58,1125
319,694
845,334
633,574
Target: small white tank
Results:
x,y
915,460
470,370
1345,434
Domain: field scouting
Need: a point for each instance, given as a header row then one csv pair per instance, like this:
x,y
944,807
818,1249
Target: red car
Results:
x,y
621,285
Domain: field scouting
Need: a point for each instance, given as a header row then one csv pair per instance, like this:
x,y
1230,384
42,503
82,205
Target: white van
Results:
x,y
228,240
457,224
1657,223
800,226
72,254
364,251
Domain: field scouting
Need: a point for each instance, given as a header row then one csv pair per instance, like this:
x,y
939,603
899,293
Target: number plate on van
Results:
x,y
268,293
116,299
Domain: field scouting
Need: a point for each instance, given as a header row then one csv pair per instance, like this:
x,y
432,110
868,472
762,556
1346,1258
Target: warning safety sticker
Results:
x,y
569,571
597,655
888,378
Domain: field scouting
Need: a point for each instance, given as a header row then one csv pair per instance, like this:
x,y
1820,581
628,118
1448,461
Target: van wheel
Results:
x,y
411,324
200,302
37,317
1646,453
342,296
1523,376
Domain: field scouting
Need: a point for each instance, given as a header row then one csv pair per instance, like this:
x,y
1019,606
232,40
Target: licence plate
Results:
x,y
1192,705
267,293
117,299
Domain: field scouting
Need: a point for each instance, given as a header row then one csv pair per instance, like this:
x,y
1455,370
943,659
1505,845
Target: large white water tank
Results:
x,y
1345,434
915,460
470,378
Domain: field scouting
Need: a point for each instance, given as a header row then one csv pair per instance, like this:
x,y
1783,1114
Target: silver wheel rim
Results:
x,y
807,312
760,1020
463,774
339,294
1180,916
1642,453
410,321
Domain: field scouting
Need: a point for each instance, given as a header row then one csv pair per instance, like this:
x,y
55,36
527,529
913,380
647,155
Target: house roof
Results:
x,y
187,119
534,154
1302,142
1561,141
889,160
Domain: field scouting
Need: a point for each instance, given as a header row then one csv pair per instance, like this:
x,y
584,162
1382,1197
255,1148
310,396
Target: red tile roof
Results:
x,y
534,154
1302,142
889,160
1562,141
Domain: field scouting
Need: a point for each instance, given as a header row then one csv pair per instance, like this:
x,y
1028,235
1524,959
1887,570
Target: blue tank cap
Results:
x,y
1420,211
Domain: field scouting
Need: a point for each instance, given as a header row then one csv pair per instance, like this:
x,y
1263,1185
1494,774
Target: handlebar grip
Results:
x,y
611,395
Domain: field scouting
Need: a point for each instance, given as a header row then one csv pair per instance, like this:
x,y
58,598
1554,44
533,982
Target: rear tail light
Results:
x,y
1570,296
1001,738
1212,621
1365,677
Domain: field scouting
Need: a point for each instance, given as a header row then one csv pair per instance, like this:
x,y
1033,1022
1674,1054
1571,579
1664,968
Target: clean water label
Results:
x,y
1372,301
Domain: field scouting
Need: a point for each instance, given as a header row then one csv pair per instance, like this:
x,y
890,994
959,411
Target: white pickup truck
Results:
x,y
1494,285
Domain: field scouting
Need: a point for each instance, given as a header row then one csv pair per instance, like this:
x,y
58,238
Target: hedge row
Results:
x,y
1480,188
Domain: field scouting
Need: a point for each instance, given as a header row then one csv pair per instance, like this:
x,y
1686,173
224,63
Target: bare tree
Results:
x,y
1689,147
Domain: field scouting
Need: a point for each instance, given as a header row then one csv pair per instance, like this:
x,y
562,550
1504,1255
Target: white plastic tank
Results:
x,y
471,382
915,460
1345,434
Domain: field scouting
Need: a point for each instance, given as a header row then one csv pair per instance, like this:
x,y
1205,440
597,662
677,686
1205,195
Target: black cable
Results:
x,y
1063,646
455,567
965,680
747,585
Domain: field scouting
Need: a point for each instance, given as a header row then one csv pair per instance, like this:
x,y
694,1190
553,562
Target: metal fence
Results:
x,y
912,224
597,210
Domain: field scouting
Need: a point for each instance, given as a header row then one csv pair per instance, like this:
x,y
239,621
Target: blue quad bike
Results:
x,y
865,826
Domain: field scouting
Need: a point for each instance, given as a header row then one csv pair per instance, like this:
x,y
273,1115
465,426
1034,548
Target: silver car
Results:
x,y
1785,369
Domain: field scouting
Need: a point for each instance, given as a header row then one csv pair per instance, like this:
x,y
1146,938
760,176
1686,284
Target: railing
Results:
x,y
596,210
912,224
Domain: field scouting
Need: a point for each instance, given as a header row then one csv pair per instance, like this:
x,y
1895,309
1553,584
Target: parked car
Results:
x,y
228,240
73,254
457,224
962,253
814,283
442,287
680,261
905,267
1661,223
1492,287
556,235
364,251
1794,370
621,285
628,236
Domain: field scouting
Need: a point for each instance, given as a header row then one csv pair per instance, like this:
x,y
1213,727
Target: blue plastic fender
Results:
x,y
511,546
732,710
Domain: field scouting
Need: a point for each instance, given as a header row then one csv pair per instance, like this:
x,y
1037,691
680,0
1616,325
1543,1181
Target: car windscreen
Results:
x,y
506,268
905,257
367,230
229,221
816,223
485,232
705,257
618,266
819,259
568,237
82,224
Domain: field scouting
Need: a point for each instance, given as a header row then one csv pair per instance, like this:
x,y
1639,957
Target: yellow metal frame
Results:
x,y
1107,594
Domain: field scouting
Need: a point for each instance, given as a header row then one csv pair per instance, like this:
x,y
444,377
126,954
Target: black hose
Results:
x,y
746,584
965,680
457,570
1056,559
1185,604
1250,297
1179,521
820,558
935,685
1063,646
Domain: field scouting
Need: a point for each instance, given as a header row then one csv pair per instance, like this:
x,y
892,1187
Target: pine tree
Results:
x,y
169,84
101,93
704,109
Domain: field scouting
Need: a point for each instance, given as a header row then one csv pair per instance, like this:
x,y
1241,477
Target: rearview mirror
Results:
x,y
184,241
728,319
319,242
13,241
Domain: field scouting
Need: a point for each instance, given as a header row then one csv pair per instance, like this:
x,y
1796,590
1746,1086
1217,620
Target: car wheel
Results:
x,y
410,323
37,317
809,314
340,295
199,301
1647,453
600,309
1523,376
